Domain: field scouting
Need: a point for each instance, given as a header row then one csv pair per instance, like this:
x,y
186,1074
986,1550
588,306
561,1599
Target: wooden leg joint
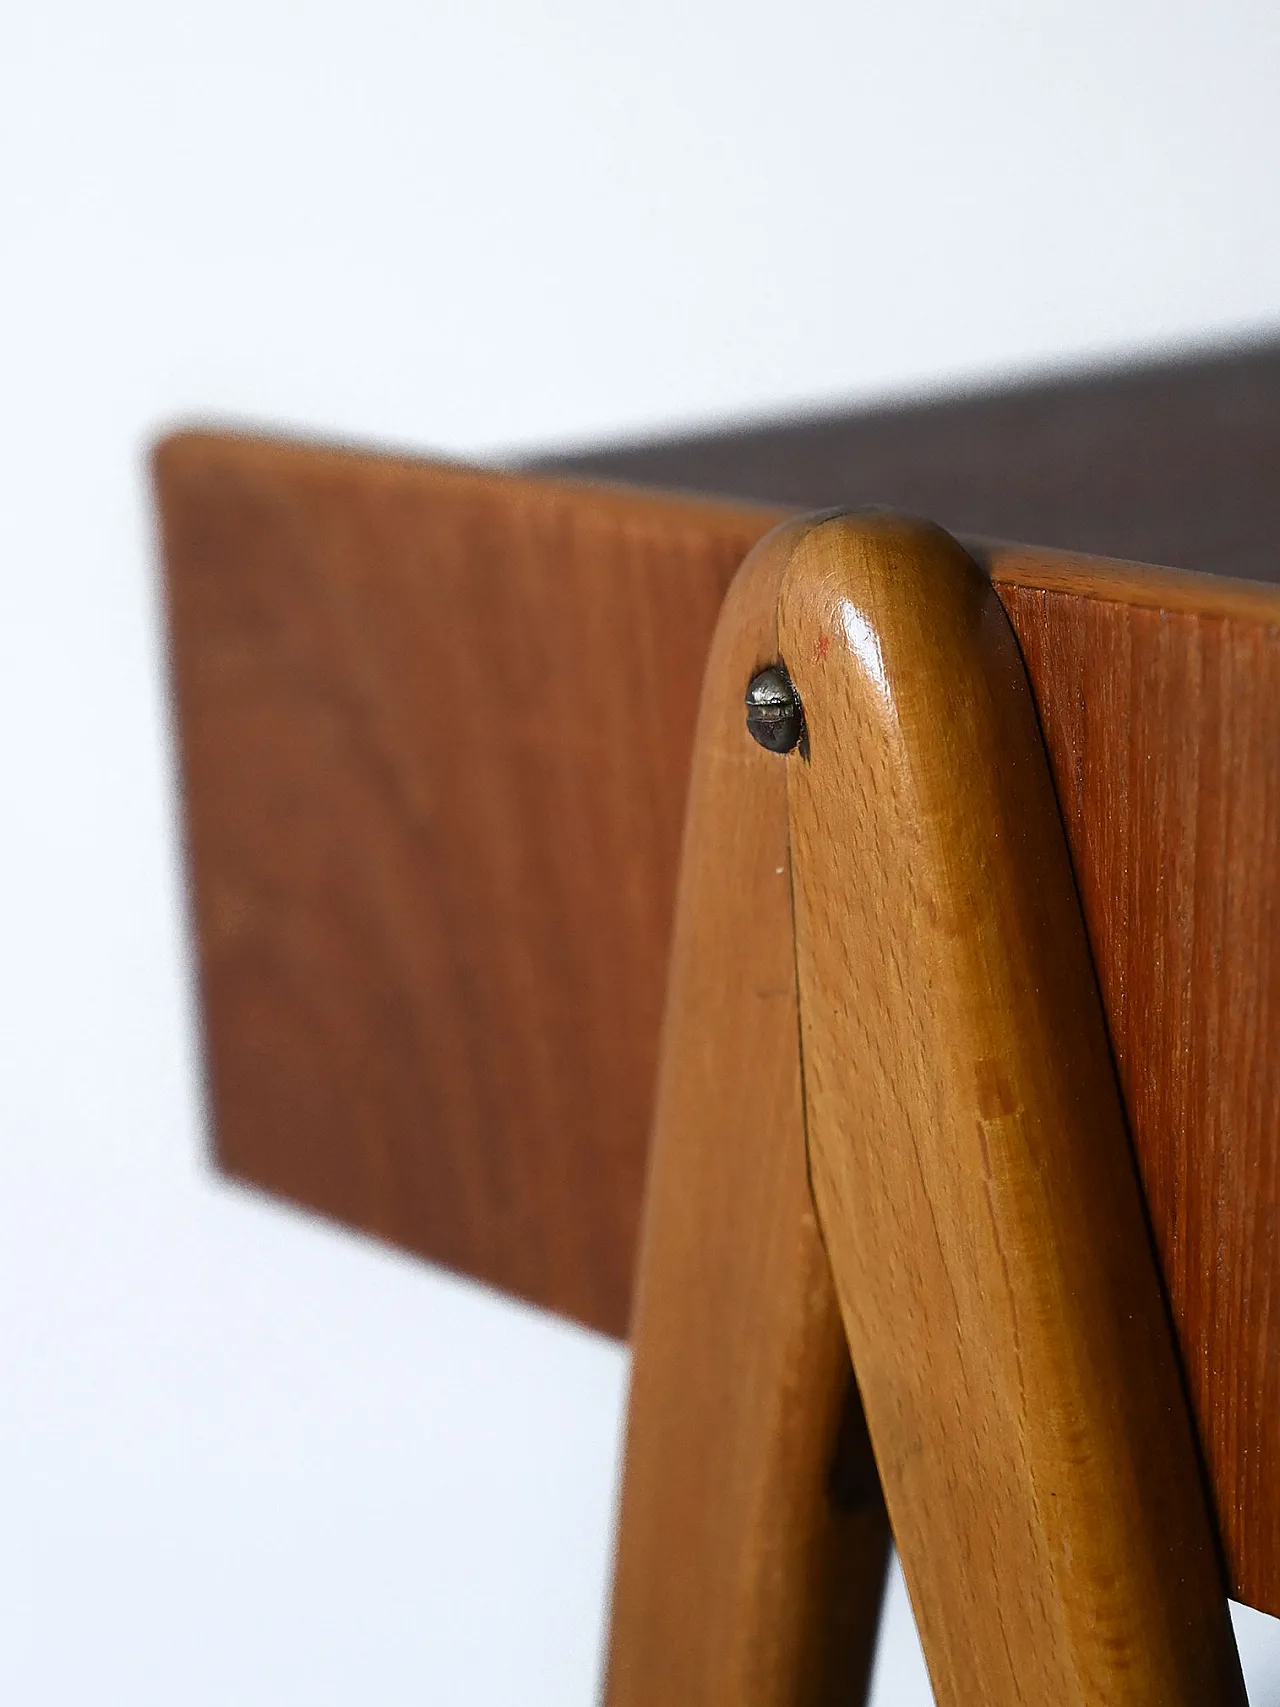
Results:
x,y
883,1023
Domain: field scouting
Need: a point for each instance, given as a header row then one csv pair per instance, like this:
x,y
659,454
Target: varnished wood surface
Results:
x,y
973,1177
432,1014
750,1563
436,728
1166,461
1163,727
1110,581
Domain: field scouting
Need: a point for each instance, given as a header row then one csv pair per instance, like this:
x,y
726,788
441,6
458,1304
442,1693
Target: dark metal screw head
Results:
x,y
775,717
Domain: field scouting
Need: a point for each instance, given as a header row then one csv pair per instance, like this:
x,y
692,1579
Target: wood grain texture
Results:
x,y
1163,728
431,1013
974,1181
436,729
750,1560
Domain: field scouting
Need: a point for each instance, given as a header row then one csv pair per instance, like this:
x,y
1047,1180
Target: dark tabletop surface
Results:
x,y
1174,462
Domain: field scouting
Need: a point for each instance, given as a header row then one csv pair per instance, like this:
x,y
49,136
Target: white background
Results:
x,y
243,1457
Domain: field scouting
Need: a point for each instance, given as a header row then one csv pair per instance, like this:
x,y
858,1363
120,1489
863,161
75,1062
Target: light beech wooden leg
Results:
x,y
898,892
969,1158
751,1552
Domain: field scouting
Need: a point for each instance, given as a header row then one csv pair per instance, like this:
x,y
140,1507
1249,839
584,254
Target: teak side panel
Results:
x,y
974,1181
752,1537
436,730
378,889
1163,728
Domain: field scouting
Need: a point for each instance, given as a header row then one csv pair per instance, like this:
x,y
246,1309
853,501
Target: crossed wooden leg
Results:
x,y
888,1121
753,1547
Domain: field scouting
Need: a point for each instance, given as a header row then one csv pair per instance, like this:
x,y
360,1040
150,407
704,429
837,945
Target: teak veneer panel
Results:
x,y
1163,728
974,1181
436,728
